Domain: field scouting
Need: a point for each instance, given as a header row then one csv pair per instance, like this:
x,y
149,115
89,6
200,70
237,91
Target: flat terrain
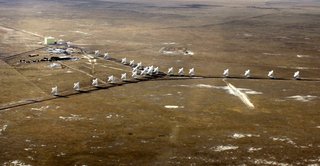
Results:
x,y
202,120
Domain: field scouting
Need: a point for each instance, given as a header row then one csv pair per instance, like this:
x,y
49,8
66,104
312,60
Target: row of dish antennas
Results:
x,y
271,75
95,83
150,70
112,79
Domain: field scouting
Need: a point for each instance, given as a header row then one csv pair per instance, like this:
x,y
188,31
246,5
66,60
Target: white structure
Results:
x,y
131,63
296,75
106,56
124,76
60,42
181,72
135,69
111,79
134,74
49,40
139,65
93,62
95,82
124,60
144,71
271,74
247,73
191,72
76,86
69,43
170,71
156,70
96,52
226,73
150,70
54,91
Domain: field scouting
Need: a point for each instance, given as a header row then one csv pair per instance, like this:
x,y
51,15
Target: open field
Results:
x,y
201,120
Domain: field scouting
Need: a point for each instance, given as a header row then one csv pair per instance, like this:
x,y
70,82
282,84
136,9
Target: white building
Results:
x,y
49,40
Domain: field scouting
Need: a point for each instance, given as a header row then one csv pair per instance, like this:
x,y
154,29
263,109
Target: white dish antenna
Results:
x,y
96,52
271,74
247,73
156,70
135,69
150,70
144,71
226,73
76,86
131,63
54,91
124,76
111,79
106,56
170,71
296,75
181,72
134,74
95,82
191,72
124,60
139,65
